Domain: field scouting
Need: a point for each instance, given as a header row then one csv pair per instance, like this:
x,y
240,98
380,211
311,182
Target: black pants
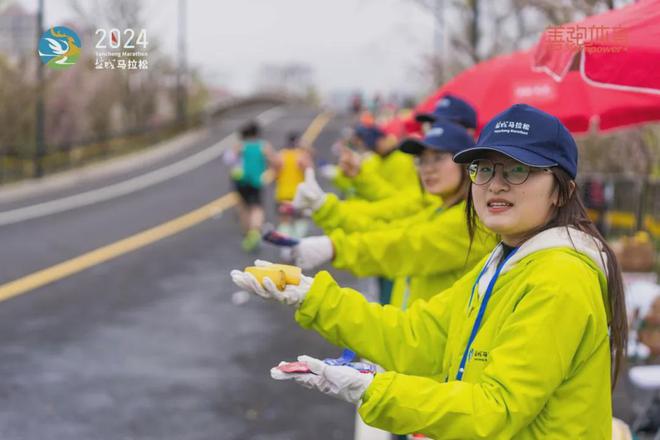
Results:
x,y
250,195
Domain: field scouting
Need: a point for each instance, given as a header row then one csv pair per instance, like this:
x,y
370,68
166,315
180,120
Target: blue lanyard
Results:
x,y
482,308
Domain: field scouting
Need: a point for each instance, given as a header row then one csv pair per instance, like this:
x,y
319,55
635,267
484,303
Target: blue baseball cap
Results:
x,y
453,108
442,136
528,135
369,135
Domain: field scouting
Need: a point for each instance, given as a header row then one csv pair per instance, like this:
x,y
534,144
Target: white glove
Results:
x,y
329,171
342,382
248,282
309,194
312,252
292,295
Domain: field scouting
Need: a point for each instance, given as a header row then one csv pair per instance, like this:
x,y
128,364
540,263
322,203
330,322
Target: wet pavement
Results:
x,y
150,345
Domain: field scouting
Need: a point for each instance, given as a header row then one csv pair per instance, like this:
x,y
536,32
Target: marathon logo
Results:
x,y
444,103
435,131
511,127
477,355
480,356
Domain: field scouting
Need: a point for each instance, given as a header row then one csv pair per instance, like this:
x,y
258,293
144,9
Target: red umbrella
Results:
x,y
619,49
500,82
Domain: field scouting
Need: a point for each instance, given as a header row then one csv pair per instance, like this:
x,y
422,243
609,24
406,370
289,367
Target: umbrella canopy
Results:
x,y
619,49
500,82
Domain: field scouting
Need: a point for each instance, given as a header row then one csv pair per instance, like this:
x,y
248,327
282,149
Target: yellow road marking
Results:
x,y
136,241
105,253
314,129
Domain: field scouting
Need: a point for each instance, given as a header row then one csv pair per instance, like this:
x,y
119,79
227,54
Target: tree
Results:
x,y
17,115
477,30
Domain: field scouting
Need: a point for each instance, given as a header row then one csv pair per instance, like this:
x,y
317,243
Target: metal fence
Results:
x,y
630,203
22,163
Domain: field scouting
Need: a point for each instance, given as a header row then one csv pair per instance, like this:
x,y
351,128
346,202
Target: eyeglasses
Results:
x,y
482,171
432,159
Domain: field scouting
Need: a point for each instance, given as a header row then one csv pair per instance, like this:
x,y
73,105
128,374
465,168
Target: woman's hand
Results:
x,y
292,294
309,194
342,382
350,162
313,251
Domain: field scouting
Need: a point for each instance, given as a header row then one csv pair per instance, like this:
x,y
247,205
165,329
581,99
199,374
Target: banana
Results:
x,y
277,276
292,273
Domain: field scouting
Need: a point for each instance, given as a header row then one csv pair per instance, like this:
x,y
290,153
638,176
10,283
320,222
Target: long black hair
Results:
x,y
570,211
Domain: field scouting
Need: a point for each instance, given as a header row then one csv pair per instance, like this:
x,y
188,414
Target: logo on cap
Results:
x,y
512,127
435,131
444,102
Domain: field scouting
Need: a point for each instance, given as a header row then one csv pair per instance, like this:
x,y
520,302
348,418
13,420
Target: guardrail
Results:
x,y
632,203
20,163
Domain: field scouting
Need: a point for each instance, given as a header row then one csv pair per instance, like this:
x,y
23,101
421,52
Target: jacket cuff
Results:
x,y
306,314
373,395
324,214
337,237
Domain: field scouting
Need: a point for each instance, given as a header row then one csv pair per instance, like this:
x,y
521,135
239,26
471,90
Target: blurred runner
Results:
x,y
291,162
356,104
376,105
249,161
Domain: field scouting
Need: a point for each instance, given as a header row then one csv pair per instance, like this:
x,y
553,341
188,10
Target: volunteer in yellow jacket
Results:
x,y
384,173
528,341
408,250
356,215
329,212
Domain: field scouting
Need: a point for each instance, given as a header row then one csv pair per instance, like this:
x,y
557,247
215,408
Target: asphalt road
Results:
x,y
150,345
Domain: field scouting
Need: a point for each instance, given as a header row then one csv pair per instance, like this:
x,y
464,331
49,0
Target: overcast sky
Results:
x,y
375,45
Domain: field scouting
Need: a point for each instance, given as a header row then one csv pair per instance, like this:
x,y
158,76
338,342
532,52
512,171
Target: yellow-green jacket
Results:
x,y
540,363
425,253
359,215
345,186
382,177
